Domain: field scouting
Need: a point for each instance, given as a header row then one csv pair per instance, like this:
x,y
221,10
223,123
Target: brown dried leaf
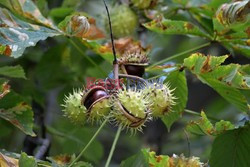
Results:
x,y
94,32
6,161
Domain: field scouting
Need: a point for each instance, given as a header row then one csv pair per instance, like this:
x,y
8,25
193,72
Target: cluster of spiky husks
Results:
x,y
127,107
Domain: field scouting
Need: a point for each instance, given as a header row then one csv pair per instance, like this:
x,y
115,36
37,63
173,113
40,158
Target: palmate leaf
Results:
x,y
232,148
146,158
16,35
204,127
177,82
175,27
28,10
15,110
225,79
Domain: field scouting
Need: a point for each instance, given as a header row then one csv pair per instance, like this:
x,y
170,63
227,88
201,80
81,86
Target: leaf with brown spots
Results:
x,y
16,35
17,112
225,79
204,127
175,27
28,10
5,50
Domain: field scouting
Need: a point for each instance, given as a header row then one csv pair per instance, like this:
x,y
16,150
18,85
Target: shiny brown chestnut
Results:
x,y
94,96
96,101
136,70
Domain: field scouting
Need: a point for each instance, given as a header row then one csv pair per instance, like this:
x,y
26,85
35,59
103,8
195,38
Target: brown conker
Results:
x,y
136,70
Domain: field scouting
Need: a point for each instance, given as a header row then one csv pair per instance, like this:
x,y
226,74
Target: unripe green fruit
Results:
x,y
161,98
124,21
130,109
73,108
141,4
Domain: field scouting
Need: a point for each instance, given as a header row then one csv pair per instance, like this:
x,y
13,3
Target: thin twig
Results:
x,y
113,146
91,140
198,114
111,33
135,78
179,54
188,142
87,57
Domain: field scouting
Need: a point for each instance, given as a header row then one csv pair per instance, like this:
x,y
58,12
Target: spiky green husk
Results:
x,y
124,21
100,110
73,109
135,104
161,97
137,58
141,4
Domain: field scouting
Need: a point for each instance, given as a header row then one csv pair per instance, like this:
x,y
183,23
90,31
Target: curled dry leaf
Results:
x,y
126,44
6,161
229,13
4,89
94,32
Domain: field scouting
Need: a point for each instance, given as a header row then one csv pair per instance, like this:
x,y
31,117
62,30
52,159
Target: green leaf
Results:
x,y
225,79
26,161
146,158
233,12
28,10
204,127
243,49
137,160
12,71
157,161
15,110
99,49
175,27
177,81
61,12
232,148
16,35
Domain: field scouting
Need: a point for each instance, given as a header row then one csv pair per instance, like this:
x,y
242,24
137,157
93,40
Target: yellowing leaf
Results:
x,y
17,112
6,161
204,127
